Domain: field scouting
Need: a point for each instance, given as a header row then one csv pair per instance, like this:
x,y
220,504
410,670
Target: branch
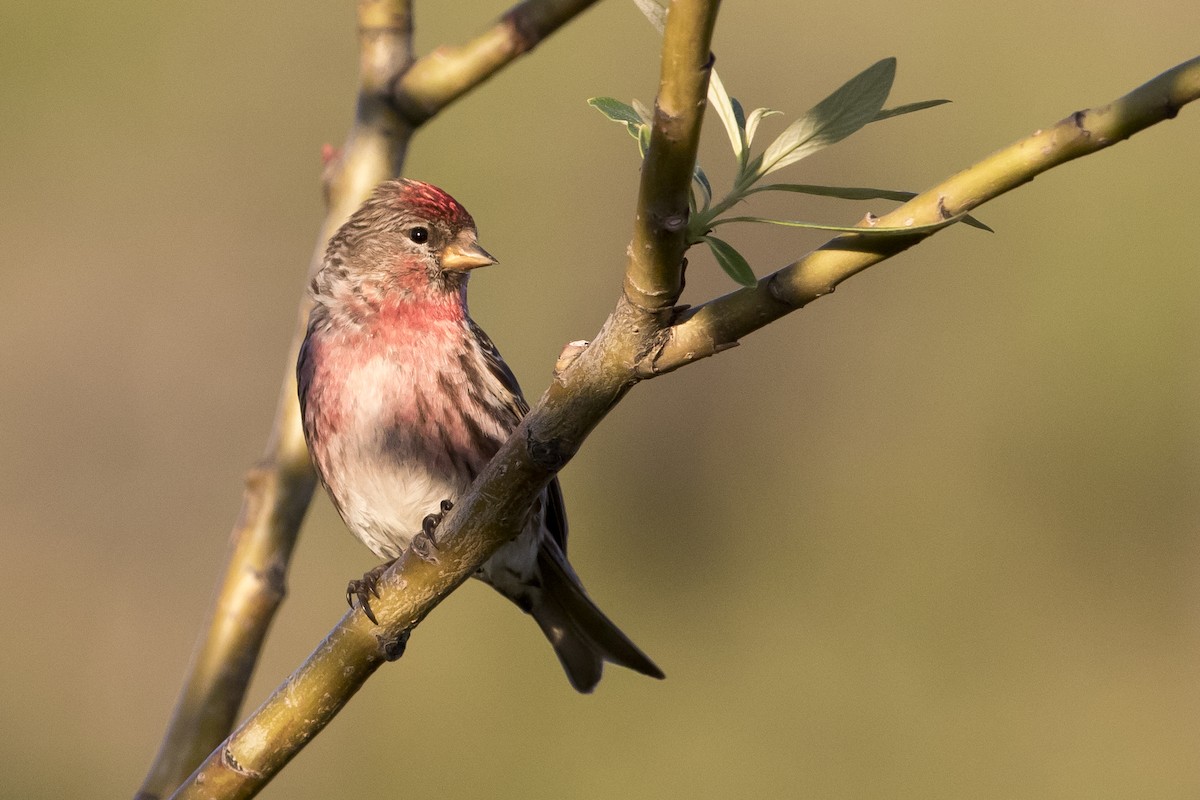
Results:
x,y
720,323
491,513
448,73
654,274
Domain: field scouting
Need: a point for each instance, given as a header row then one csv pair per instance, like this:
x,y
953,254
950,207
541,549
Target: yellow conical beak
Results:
x,y
464,253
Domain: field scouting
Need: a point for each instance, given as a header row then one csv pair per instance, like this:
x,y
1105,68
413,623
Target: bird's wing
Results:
x,y
496,366
555,512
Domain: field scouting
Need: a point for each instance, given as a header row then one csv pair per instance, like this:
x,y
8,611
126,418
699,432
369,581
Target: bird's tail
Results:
x,y
583,638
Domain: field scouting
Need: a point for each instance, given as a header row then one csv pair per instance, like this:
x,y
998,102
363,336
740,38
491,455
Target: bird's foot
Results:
x,y
431,521
424,544
365,587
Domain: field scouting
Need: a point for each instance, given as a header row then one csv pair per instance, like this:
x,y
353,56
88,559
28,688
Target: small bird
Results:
x,y
404,400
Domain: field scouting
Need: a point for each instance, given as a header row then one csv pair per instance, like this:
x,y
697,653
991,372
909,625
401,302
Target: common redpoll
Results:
x,y
405,399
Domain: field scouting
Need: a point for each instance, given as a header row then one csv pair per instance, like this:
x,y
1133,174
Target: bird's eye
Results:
x,y
419,235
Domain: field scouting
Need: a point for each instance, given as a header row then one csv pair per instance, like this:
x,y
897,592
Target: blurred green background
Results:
x,y
933,537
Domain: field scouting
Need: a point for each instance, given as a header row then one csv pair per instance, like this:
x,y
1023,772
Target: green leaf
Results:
x,y
700,178
856,193
731,261
615,110
719,99
908,108
975,223
840,192
644,113
654,12
757,116
848,109
739,118
816,226
644,140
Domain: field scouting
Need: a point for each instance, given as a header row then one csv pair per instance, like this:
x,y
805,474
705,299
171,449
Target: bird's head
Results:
x,y
410,241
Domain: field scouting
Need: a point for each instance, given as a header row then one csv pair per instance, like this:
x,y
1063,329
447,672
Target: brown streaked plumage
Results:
x,y
404,399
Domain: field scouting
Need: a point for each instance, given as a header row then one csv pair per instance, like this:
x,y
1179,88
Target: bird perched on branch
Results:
x,y
404,400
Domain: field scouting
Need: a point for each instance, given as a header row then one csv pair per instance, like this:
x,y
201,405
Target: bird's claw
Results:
x,y
365,587
424,544
431,521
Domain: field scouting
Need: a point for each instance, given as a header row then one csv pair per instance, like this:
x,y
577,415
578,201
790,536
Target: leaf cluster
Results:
x,y
855,104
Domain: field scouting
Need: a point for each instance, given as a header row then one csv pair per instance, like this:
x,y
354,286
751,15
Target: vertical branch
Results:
x,y
279,488
654,274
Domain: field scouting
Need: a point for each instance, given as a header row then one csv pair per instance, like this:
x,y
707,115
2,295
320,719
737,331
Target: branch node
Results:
x,y
570,352
675,222
233,764
549,454
941,207
525,34
393,647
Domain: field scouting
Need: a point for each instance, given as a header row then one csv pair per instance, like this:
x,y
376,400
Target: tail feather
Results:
x,y
583,638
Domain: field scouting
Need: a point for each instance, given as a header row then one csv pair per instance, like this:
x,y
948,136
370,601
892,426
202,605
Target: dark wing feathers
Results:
x,y
556,513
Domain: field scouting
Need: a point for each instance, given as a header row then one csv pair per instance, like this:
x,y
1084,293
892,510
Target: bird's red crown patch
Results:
x,y
429,202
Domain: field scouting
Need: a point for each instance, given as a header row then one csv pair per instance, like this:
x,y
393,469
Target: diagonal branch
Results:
x,y
720,323
448,73
279,488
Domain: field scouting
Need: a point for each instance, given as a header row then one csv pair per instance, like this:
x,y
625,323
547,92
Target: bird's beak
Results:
x,y
464,253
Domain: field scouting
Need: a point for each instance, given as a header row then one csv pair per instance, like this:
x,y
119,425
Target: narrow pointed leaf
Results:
x,y
974,222
700,178
643,112
856,193
848,109
654,12
816,226
644,140
840,192
908,108
731,261
756,116
635,130
739,118
719,99
615,110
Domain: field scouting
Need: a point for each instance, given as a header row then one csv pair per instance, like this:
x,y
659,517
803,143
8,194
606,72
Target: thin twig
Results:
x,y
448,73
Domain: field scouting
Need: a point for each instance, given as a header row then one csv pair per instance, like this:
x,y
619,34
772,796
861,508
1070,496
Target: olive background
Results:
x,y
933,537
